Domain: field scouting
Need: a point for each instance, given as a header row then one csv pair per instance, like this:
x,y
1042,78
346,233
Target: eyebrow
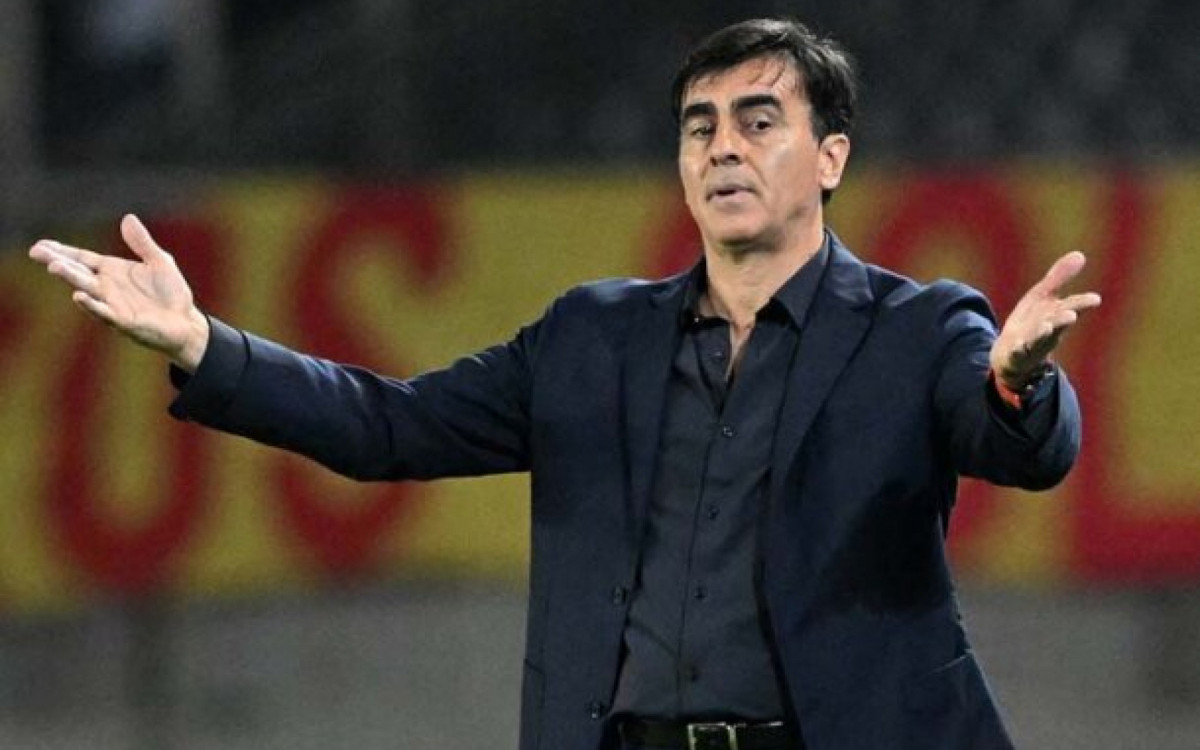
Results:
x,y
741,104
754,101
698,109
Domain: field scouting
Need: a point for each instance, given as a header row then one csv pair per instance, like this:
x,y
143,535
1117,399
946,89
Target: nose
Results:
x,y
726,146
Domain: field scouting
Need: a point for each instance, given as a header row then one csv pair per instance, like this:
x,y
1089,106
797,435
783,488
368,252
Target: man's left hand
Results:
x,y
1037,323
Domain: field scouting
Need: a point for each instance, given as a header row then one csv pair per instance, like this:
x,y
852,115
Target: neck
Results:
x,y
742,280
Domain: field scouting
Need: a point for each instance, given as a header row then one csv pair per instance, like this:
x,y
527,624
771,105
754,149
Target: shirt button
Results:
x,y
619,594
701,592
727,431
595,710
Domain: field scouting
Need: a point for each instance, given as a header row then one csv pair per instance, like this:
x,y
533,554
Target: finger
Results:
x,y
1064,269
75,274
1080,302
138,238
94,306
43,252
46,251
1063,319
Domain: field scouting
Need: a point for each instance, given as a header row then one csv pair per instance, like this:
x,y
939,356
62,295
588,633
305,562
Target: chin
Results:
x,y
739,238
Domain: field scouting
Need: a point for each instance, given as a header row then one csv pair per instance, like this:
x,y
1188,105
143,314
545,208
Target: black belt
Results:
x,y
677,735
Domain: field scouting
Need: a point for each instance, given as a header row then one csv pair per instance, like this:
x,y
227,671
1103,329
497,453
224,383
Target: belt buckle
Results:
x,y
719,736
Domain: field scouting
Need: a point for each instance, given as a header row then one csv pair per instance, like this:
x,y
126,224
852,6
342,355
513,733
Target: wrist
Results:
x,y
1023,380
195,343
1016,390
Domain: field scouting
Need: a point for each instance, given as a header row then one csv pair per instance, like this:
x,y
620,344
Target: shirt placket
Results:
x,y
712,349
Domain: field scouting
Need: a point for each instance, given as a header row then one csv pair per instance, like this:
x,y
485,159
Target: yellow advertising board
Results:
x,y
103,493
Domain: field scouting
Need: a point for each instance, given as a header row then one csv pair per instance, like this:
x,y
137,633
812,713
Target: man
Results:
x,y
742,476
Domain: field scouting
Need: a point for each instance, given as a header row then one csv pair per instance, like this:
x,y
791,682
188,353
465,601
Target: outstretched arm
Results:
x,y
146,299
468,419
1009,434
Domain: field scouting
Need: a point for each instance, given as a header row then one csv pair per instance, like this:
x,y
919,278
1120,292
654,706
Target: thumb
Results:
x,y
138,238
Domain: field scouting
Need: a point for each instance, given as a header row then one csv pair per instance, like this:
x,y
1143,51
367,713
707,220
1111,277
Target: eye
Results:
x,y
760,124
700,130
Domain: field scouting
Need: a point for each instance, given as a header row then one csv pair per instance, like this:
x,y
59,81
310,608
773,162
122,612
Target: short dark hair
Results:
x,y
830,81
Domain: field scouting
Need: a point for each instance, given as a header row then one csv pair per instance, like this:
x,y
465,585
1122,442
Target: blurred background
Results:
x,y
397,183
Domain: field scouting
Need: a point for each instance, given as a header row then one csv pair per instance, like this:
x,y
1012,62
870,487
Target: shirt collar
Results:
x,y
793,298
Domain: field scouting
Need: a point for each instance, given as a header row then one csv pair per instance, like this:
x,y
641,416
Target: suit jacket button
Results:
x,y
595,710
619,594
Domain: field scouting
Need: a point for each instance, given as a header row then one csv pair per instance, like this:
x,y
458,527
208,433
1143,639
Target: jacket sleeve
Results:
x,y
469,419
1033,447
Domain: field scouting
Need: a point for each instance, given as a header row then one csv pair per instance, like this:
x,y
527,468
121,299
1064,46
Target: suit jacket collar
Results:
x,y
792,299
837,320
846,279
653,338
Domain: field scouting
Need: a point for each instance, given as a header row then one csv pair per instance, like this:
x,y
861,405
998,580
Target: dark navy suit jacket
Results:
x,y
887,403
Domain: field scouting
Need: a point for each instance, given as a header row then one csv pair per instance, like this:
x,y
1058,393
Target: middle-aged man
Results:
x,y
742,476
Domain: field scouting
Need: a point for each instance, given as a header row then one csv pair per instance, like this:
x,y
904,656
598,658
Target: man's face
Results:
x,y
752,170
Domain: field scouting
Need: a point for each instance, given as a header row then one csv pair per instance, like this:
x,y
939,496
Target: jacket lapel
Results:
x,y
653,339
839,318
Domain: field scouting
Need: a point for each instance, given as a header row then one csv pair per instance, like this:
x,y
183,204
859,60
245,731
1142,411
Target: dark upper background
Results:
x,y
381,88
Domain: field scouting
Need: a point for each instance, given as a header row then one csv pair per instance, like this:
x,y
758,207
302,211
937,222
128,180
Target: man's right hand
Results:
x,y
147,299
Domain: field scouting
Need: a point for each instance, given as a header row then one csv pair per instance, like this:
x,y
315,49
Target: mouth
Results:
x,y
727,191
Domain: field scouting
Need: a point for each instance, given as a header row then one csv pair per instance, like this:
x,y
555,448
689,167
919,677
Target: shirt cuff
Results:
x,y
211,388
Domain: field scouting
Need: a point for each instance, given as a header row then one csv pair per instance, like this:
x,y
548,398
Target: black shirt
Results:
x,y
695,645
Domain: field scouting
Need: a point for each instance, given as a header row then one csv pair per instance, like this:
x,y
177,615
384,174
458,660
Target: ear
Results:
x,y
831,162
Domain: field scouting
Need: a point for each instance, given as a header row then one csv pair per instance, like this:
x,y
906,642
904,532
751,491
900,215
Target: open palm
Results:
x,y
1036,324
146,299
